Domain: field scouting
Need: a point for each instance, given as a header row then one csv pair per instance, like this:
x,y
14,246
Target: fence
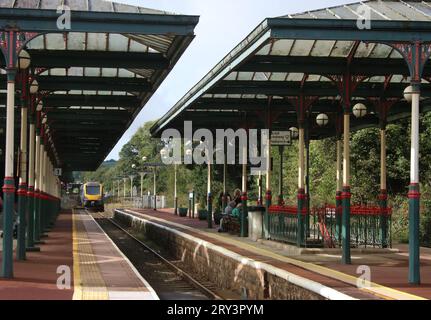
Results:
x,y
146,202
369,226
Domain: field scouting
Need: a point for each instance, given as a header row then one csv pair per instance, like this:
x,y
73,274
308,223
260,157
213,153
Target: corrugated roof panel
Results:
x,y
75,41
364,50
123,73
119,7
245,76
28,4
381,51
422,7
409,12
109,72
146,73
80,5
282,47
55,42
322,48
260,76
76,71
295,76
386,9
137,47
6,3
324,14
58,72
50,4
92,72
278,76
37,43
302,47
342,48
264,51
96,41
118,42
345,13
231,76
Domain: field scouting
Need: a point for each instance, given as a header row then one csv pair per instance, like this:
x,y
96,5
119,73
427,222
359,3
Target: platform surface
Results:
x,y
79,253
389,271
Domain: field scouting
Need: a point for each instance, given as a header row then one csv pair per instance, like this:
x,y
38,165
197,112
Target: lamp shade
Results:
x,y
34,87
322,119
39,106
23,60
295,132
360,110
408,93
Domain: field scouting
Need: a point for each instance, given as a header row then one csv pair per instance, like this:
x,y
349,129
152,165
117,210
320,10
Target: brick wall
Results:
x,y
224,271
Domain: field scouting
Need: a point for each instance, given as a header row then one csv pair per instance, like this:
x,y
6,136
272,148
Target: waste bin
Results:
x,y
255,222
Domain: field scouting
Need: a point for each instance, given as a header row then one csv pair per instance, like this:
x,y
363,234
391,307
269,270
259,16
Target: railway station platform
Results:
x,y
77,261
319,271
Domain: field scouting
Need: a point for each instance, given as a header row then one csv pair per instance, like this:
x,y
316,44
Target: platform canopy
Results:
x,y
307,55
95,77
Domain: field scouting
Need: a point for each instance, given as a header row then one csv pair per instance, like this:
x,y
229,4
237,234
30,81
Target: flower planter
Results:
x,y
183,212
202,214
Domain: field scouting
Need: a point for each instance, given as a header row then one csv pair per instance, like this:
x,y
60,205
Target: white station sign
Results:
x,y
281,138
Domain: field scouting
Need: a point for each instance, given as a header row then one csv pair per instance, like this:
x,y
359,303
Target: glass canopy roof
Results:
x,y
95,83
277,60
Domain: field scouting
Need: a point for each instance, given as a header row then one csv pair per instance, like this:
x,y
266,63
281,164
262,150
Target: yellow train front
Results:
x,y
92,196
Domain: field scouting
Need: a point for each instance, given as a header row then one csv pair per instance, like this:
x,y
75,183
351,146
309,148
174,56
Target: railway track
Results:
x,y
168,280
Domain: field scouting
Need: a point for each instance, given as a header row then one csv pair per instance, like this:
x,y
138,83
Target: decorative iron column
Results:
x,y
300,237
131,186
383,197
209,197
10,53
244,211
416,54
30,191
338,197
124,189
22,188
175,190
280,176
224,199
36,212
346,195
414,191
155,189
268,195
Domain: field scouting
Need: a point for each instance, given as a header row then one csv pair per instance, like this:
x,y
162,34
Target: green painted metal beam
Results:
x,y
327,65
60,100
312,88
42,20
341,29
63,83
97,59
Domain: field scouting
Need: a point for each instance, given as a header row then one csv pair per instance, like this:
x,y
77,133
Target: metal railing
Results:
x,y
369,226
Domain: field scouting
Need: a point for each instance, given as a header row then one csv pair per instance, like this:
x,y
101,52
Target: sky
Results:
x,y
223,24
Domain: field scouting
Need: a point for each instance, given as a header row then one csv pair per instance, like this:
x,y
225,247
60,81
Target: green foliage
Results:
x,y
365,173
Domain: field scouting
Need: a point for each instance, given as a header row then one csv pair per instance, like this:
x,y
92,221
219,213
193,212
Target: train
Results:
x,y
91,195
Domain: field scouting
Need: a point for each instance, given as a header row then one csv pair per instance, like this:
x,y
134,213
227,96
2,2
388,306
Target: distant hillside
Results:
x,y
109,163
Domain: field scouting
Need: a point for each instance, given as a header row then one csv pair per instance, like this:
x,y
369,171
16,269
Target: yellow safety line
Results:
x,y
83,292
374,288
77,283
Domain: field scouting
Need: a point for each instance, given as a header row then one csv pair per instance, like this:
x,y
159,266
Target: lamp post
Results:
x,y
412,94
23,64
